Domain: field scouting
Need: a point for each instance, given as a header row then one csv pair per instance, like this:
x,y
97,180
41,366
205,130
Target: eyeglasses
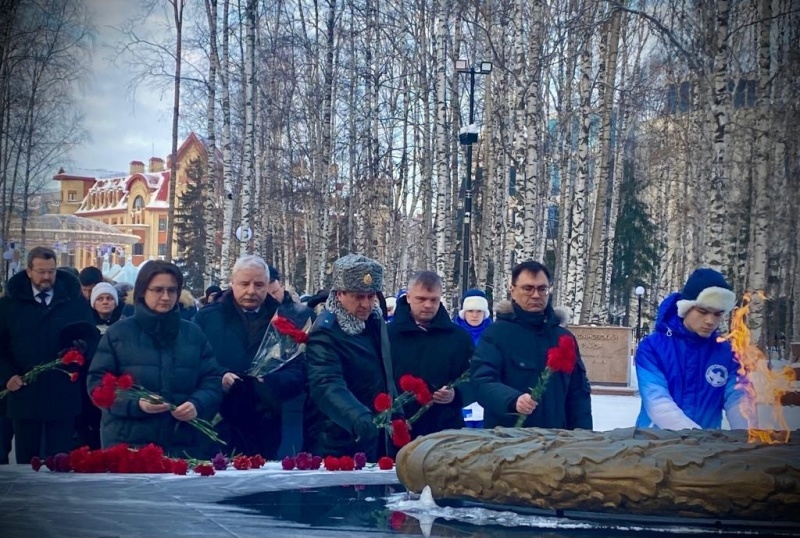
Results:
x,y
543,291
159,290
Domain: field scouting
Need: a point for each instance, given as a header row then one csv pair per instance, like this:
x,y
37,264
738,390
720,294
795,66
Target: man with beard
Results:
x,y
235,325
428,345
41,304
349,364
512,353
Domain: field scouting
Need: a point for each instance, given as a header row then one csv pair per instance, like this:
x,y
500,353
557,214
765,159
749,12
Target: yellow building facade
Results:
x,y
136,203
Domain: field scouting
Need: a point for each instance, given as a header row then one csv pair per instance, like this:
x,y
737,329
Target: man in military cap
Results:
x,y
348,364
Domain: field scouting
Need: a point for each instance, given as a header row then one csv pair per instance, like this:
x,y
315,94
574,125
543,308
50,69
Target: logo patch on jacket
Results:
x,y
717,375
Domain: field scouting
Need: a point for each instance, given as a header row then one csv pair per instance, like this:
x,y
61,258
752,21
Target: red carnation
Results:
x,y
257,461
73,356
125,382
563,357
383,402
409,383
346,463
332,463
316,462
385,463
180,467
288,463
400,434
73,377
109,380
36,463
423,394
241,463
103,396
205,469
396,520
287,328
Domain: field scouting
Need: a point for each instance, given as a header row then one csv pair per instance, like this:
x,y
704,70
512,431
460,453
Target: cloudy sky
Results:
x,y
123,126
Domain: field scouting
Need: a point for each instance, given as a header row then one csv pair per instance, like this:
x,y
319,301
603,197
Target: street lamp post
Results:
x,y
639,291
468,136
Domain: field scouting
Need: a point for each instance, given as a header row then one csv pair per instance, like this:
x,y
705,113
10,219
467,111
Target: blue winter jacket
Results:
x,y
686,380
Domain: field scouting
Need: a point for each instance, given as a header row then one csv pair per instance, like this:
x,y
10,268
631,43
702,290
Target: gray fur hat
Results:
x,y
357,273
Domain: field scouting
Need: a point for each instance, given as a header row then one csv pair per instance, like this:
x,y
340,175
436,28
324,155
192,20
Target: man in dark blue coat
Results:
x,y
512,354
235,326
349,364
428,345
41,303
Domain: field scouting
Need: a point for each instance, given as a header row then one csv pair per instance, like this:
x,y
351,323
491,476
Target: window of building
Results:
x,y
138,249
138,203
162,224
72,196
162,249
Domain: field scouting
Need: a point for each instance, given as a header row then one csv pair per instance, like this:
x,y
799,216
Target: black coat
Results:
x,y
345,373
167,356
509,359
438,355
29,336
234,343
253,410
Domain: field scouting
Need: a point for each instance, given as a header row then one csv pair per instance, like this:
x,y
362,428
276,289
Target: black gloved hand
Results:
x,y
364,429
80,345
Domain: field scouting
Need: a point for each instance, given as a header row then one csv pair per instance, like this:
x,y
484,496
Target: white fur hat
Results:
x,y
474,302
100,289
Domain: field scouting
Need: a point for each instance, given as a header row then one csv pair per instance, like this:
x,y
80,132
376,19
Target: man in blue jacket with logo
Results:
x,y
686,377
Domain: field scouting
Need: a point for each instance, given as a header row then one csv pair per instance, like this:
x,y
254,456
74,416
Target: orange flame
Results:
x,y
765,386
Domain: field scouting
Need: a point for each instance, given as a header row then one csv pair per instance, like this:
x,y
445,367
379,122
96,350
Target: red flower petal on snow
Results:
x,y
332,463
204,470
346,463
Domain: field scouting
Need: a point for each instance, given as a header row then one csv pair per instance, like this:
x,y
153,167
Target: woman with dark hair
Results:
x,y
167,356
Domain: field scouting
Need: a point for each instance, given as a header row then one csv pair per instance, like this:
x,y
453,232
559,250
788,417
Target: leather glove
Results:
x,y
365,430
80,345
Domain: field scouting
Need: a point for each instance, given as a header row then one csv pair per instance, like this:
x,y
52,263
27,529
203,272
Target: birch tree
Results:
x,y
594,300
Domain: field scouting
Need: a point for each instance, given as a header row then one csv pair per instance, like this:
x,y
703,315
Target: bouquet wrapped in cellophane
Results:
x,y
283,342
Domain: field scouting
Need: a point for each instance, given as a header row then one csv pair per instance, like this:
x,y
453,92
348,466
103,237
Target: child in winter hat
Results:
x,y
474,299
100,289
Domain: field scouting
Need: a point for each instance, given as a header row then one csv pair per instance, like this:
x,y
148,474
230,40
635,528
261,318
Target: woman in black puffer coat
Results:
x,y
167,356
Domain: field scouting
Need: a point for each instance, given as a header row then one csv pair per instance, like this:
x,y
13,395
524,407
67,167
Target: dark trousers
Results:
x,y
43,438
6,435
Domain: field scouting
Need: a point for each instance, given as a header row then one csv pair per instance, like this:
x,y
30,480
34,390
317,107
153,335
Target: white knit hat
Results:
x,y
474,302
100,289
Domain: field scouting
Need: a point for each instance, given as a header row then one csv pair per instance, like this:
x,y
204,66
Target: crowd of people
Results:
x,y
198,356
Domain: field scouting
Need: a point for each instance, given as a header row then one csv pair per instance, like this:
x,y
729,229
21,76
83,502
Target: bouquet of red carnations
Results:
x,y
283,342
111,386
